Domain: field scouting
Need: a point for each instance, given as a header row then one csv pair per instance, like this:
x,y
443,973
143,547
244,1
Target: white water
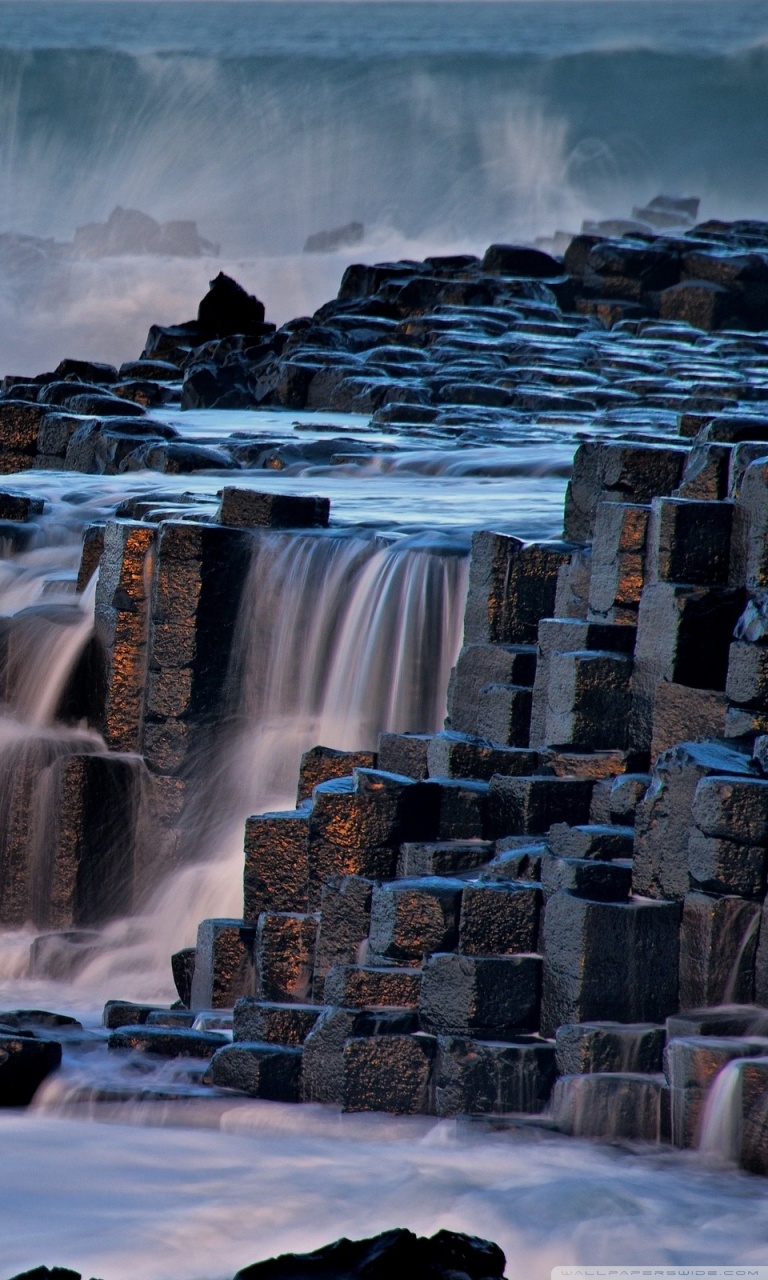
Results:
x,y
721,1121
183,1202
337,640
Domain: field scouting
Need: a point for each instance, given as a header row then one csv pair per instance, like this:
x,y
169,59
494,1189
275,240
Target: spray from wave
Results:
x,y
431,152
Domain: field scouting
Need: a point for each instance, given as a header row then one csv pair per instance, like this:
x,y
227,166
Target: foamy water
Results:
x,y
195,1200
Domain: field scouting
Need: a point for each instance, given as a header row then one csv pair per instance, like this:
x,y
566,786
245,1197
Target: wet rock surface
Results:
x,y
533,903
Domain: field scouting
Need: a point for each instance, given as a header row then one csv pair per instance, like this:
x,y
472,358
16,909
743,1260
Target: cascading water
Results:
x,y
721,1121
338,638
43,643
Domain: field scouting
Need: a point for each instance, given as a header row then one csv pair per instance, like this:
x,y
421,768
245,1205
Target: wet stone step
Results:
x,y
167,1042
608,1047
442,858
363,986
323,1064
616,1106
25,1061
260,1070
273,1023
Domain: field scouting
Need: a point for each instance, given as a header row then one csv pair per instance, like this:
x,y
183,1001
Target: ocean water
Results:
x,y
440,126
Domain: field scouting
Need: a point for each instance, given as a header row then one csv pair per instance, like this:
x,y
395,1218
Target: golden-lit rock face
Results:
x,y
224,964
285,948
122,615
320,764
276,866
359,987
410,919
389,1073
511,586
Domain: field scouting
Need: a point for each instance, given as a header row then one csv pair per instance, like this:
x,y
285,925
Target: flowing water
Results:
x,y
440,127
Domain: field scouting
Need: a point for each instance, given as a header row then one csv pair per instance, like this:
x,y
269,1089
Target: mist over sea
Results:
x,y
438,126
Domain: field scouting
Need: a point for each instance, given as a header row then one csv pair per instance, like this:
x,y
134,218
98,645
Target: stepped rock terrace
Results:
x,y
547,906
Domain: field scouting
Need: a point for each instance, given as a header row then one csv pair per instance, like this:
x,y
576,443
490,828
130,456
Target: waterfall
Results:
x,y
338,638
721,1120
42,644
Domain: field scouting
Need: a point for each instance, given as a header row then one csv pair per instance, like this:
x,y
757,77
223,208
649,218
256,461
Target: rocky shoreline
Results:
x,y
551,912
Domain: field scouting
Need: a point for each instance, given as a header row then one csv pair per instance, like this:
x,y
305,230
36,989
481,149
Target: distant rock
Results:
x,y
345,237
133,233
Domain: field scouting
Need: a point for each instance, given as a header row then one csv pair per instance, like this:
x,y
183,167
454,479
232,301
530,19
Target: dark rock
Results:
x,y
619,1105
461,755
358,825
476,1077
26,1019
608,961
270,1023
171,342
683,636
276,863
20,423
369,986
664,817
104,406
284,953
512,585
86,371
718,942
442,857
412,918
562,644
345,915
331,241
689,541
323,1063
93,546
617,471
223,963
404,753
124,1013
24,1064
249,509
529,806
260,1070
499,919
320,764
699,303
156,370
519,260
595,841
179,458
609,1046
683,714
167,1042
227,308
447,1255
19,506
391,1073
490,997
183,969
587,878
